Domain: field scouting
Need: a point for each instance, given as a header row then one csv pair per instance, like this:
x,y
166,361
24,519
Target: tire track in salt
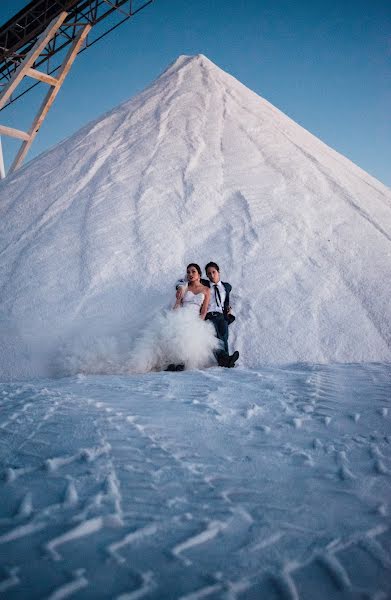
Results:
x,y
79,522
199,534
243,526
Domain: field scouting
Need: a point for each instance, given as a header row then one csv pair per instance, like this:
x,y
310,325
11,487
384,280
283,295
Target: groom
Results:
x,y
219,312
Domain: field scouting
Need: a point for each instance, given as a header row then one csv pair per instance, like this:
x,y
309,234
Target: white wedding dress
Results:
x,y
177,336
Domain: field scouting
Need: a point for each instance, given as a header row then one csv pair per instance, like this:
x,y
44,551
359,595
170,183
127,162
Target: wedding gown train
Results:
x,y
176,336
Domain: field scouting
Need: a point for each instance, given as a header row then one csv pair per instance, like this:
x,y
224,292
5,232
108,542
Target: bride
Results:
x,y
179,338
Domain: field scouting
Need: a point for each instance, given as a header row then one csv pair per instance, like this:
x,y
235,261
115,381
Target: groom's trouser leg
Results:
x,y
221,328
223,332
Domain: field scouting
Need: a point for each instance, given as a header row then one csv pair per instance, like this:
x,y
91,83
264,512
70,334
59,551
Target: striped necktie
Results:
x,y
217,295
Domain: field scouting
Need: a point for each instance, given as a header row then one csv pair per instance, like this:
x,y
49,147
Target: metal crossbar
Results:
x,y
20,33
34,36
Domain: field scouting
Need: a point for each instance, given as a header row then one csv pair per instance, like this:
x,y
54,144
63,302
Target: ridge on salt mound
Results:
x,y
197,167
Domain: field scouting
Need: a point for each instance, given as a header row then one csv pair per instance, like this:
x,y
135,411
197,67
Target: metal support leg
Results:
x,y
31,57
2,168
26,69
50,97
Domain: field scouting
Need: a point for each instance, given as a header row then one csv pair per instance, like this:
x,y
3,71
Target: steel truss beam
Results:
x,y
25,70
21,32
38,33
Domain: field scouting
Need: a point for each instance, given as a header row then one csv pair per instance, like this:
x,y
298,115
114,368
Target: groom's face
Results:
x,y
213,275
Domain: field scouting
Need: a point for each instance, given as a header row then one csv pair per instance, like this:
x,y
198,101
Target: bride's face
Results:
x,y
192,275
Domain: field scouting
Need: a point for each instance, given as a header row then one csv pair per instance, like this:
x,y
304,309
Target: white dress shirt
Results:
x,y
213,306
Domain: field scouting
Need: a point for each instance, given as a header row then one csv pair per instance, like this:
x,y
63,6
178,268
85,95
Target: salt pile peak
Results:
x,y
197,167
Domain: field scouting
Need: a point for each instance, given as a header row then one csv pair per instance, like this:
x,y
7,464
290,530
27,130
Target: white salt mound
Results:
x,y
95,232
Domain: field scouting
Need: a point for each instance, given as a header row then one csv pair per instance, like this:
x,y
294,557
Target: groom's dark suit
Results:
x,y
228,288
221,320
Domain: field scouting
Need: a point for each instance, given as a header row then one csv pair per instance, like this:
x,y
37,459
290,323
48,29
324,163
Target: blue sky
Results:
x,y
325,64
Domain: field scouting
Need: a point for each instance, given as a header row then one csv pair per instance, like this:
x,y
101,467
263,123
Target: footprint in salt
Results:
x,y
253,410
355,417
306,459
375,451
25,508
71,496
380,467
382,510
345,473
264,428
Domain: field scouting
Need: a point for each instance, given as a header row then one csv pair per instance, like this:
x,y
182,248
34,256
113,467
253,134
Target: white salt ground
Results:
x,y
271,484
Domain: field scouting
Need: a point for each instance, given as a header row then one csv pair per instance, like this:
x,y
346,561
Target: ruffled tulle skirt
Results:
x,y
175,336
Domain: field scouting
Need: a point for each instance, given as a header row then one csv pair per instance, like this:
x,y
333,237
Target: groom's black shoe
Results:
x,y
232,359
180,367
171,367
223,358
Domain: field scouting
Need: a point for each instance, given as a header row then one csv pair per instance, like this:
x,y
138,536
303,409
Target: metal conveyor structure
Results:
x,y
39,45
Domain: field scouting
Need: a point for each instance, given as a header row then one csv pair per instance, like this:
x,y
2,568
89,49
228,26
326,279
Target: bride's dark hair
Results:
x,y
196,267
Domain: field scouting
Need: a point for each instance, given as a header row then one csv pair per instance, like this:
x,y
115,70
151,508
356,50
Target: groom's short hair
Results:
x,y
212,264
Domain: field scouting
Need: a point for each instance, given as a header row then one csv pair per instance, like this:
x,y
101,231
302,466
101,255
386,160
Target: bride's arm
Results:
x,y
178,301
205,304
179,298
